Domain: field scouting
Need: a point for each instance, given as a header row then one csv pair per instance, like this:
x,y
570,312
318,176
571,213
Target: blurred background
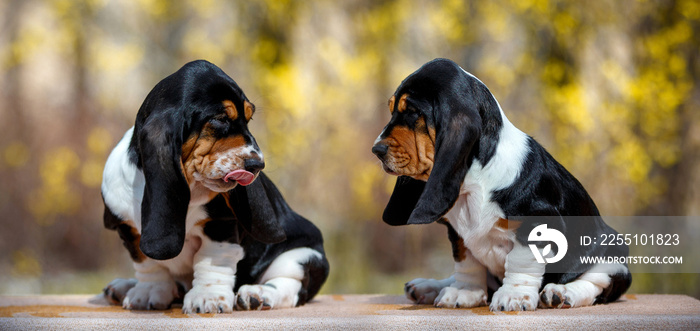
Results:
x,y
610,88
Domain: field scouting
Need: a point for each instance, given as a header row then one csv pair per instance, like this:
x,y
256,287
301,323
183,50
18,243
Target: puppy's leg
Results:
x,y
154,289
521,283
584,290
292,278
469,288
214,277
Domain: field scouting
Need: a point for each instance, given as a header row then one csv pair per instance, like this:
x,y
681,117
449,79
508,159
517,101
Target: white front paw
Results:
x,y
555,296
208,299
256,297
515,298
452,297
423,291
150,295
116,290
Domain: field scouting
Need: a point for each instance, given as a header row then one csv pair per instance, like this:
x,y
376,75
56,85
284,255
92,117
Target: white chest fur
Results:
x,y
122,188
474,214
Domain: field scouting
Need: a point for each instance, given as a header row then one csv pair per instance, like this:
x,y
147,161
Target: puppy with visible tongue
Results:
x,y
241,176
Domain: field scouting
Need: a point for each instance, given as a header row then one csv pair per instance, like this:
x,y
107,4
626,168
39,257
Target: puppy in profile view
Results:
x,y
184,189
461,163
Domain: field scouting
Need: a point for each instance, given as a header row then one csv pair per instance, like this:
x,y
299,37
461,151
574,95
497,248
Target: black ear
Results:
x,y
403,200
166,194
458,123
259,208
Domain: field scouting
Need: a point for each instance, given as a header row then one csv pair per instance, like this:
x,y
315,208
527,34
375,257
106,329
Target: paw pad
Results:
x,y
555,296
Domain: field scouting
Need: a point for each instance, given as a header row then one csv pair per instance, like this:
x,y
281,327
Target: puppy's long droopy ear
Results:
x,y
462,109
459,128
407,192
259,208
166,194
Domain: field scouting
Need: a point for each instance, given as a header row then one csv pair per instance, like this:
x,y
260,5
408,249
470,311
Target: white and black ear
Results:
x,y
404,198
166,194
259,208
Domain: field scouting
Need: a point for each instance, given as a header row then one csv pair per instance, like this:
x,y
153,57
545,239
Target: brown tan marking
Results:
x,y
225,144
188,146
431,135
131,240
461,252
402,103
425,140
412,152
202,222
249,110
228,203
200,150
505,224
231,110
391,103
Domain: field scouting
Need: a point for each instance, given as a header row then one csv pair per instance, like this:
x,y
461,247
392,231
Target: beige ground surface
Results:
x,y
349,312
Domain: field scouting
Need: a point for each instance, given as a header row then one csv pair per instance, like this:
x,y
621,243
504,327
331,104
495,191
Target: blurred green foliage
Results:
x,y
612,96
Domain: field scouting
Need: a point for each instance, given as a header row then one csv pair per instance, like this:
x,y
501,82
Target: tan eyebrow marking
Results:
x,y
249,109
402,103
391,103
230,109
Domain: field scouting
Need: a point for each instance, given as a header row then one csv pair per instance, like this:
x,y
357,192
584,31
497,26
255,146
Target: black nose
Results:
x,y
380,150
254,165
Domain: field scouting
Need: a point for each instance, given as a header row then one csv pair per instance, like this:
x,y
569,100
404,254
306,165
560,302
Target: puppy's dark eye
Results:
x,y
219,123
412,114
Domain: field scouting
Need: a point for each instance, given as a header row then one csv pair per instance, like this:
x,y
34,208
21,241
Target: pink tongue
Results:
x,y
241,176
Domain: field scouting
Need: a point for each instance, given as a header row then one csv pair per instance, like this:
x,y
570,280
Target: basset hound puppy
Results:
x,y
462,163
185,191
